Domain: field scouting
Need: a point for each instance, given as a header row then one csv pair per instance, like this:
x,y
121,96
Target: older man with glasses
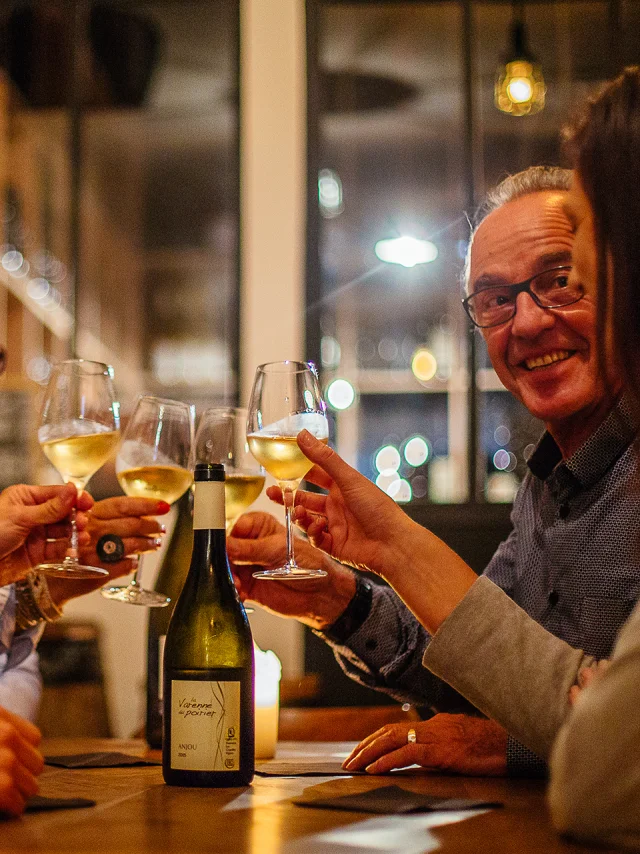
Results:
x,y
571,561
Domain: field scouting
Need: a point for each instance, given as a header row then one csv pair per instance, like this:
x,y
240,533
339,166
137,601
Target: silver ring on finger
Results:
x,y
412,738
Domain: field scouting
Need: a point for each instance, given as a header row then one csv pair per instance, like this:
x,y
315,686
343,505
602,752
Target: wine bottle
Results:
x,y
208,719
171,577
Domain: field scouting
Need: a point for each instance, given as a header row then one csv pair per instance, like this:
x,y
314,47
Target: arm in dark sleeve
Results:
x,y
385,653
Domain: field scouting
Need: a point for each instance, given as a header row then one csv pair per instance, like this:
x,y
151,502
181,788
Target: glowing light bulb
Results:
x,y
519,90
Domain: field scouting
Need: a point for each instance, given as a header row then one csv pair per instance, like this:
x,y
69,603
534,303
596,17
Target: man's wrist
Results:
x,y
354,615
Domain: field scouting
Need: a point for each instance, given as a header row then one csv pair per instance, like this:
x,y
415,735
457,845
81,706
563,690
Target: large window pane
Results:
x,y
391,161
390,128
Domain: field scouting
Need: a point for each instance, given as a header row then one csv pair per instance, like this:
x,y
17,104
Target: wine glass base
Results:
x,y
72,571
286,573
136,596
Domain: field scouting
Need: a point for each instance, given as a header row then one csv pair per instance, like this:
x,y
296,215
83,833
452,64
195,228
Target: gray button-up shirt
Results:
x,y
572,562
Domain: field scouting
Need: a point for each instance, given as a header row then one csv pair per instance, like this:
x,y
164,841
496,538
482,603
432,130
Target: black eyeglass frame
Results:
x,y
518,288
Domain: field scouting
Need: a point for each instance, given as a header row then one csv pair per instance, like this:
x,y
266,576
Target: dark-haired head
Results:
x,y
604,143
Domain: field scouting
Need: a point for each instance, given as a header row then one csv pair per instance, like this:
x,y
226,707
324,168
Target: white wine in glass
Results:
x,y
79,430
221,438
154,461
285,400
164,483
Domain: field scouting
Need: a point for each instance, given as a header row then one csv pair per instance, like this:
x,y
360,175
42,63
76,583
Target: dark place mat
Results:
x,y
38,803
393,800
98,760
284,768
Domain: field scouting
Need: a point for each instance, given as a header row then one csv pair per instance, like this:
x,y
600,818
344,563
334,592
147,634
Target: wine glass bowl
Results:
x,y
221,438
79,430
285,400
154,461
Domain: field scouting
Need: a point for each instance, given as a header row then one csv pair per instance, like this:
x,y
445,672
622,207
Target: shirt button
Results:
x,y
553,598
564,510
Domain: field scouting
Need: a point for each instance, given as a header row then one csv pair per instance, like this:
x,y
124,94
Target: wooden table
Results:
x,y
137,812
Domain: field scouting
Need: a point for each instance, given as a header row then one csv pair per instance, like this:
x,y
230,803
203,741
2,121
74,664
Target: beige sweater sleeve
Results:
x,y
595,765
506,664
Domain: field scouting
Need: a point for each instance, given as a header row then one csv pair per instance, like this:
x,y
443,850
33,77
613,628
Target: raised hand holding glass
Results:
x,y
154,461
79,430
285,400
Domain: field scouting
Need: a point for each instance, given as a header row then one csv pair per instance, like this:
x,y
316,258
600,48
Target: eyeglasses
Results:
x,y
495,305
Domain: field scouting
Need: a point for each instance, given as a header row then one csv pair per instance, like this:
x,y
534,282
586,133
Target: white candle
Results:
x,y
267,702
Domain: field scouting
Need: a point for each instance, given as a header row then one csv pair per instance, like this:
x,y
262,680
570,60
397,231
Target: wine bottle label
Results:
x,y
205,725
161,641
208,506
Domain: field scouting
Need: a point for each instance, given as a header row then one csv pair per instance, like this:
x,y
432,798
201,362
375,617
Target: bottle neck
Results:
x,y
209,536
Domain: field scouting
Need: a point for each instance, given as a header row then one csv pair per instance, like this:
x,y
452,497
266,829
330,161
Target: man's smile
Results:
x,y
545,359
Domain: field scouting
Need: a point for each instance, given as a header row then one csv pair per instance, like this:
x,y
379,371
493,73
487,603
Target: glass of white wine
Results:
x,y
285,400
154,461
79,430
222,438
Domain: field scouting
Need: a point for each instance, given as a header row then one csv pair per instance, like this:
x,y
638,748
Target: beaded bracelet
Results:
x,y
34,603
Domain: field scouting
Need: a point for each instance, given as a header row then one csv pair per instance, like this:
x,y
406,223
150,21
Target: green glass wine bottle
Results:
x,y
208,719
171,577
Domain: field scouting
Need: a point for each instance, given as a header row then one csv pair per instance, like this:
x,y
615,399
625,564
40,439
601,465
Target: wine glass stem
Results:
x,y
134,581
289,495
72,553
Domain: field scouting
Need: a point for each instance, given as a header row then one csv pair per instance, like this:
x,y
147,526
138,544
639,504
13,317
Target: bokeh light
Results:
x,y
424,365
407,251
387,460
400,490
416,451
340,394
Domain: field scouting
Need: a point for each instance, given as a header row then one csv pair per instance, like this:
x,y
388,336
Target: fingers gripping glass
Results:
x,y
549,289
78,432
153,462
285,400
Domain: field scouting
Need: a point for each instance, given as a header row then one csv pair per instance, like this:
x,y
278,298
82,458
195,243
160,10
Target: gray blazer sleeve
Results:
x,y
595,765
506,665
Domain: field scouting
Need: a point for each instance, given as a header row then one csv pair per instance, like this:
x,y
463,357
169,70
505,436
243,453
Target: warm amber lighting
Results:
x,y
520,89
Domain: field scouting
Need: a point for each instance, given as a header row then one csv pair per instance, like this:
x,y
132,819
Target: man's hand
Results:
x,y
586,677
30,516
20,762
356,522
360,525
456,744
258,540
128,518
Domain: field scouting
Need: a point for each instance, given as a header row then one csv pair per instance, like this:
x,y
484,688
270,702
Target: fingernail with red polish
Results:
x,y
163,507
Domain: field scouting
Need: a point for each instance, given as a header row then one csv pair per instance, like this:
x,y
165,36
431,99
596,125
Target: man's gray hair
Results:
x,y
535,179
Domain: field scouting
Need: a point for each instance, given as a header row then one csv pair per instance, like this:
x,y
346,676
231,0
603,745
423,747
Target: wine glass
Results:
x,y
154,461
222,438
286,399
79,430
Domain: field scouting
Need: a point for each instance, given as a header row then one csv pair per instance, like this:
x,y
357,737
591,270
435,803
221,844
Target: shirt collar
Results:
x,y
596,456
